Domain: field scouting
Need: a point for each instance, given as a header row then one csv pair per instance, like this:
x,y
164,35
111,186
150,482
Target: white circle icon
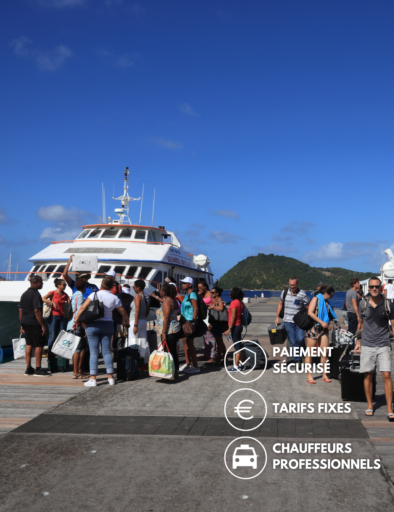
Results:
x,y
249,409
245,455
240,374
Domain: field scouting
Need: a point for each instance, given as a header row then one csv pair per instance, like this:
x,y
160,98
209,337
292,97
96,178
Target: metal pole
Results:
x,y
142,200
153,210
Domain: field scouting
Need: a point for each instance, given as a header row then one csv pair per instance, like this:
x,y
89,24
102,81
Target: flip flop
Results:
x,y
327,380
369,415
311,381
76,376
390,416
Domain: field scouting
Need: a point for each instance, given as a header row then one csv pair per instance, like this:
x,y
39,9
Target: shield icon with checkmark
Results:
x,y
249,358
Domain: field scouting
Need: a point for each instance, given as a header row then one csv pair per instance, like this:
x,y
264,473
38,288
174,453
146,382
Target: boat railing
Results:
x,y
45,276
114,240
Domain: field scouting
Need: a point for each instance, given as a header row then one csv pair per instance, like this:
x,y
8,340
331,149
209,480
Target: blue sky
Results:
x,y
264,126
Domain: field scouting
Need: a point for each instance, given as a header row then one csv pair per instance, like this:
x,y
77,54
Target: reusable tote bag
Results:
x,y
161,364
19,346
65,344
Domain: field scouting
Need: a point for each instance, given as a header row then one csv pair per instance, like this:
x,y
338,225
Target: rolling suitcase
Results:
x,y
260,354
57,363
127,364
352,381
277,334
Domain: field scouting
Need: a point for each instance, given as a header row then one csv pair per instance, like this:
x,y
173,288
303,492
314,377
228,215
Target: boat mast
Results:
x,y
126,199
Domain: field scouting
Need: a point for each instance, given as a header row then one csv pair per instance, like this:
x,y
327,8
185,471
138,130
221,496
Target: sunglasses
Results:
x,y
374,286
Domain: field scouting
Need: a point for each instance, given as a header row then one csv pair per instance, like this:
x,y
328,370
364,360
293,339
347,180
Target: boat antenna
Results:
x,y
153,210
9,268
104,216
124,211
142,200
17,269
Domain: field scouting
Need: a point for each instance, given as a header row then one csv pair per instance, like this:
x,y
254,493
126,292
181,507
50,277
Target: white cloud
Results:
x,y
66,224
230,214
167,143
224,237
45,60
124,62
188,110
120,61
333,251
4,218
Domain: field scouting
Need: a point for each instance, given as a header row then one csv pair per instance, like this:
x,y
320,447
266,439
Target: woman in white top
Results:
x,y
138,314
101,330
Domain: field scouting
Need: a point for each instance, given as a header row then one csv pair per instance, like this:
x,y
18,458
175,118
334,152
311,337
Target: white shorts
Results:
x,y
369,356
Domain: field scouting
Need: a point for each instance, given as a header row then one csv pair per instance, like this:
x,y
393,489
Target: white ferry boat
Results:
x,y
386,271
131,250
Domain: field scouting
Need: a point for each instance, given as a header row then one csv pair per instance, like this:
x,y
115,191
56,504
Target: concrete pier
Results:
x,y
159,446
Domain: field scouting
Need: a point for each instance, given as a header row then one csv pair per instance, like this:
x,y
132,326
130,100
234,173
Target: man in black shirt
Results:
x,y
32,325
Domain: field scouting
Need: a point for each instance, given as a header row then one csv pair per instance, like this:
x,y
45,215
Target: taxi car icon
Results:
x,y
245,456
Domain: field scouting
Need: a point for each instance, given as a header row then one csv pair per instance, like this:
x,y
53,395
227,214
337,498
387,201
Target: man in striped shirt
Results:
x,y
293,300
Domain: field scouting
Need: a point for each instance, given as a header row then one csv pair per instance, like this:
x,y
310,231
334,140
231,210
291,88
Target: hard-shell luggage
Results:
x,y
127,364
57,363
277,334
260,355
352,381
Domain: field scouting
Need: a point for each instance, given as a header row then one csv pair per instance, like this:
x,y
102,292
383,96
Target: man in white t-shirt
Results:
x,y
389,290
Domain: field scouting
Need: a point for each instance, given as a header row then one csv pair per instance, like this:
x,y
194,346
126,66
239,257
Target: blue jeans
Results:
x,y
236,335
296,337
55,325
353,322
98,332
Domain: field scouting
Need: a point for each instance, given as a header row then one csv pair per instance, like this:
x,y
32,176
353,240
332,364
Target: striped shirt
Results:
x,y
293,304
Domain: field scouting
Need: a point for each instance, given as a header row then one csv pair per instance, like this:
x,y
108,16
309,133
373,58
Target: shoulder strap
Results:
x,y
364,308
387,308
285,293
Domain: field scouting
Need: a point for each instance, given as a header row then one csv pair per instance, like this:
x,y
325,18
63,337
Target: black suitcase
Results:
x,y
335,364
260,354
127,364
277,334
352,381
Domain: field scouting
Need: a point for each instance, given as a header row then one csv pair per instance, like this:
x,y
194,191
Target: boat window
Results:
x,y
145,271
110,233
103,269
59,271
119,269
132,272
165,275
158,278
36,268
166,239
140,235
50,268
153,236
84,233
126,233
41,268
95,233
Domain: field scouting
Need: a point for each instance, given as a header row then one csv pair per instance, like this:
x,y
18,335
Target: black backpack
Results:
x,y
202,307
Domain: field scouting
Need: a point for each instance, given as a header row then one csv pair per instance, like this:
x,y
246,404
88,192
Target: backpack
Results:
x,y
202,307
116,289
282,311
246,316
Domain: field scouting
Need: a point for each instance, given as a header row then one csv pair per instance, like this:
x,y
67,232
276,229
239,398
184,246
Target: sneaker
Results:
x,y
40,372
29,371
182,368
241,367
90,383
233,369
191,369
111,382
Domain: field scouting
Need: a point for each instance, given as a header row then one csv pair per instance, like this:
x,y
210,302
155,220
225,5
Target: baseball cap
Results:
x,y
187,280
111,273
126,290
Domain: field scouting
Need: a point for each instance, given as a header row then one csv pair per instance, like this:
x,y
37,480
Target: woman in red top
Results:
x,y
57,300
235,311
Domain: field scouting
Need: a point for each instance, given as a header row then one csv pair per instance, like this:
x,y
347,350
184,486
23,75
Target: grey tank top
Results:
x,y
142,315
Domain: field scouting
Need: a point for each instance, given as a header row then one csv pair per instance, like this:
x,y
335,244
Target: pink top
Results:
x,y
207,300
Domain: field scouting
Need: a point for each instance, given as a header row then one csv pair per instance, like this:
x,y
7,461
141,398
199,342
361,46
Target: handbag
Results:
x,y
68,311
302,319
19,346
93,312
47,311
216,317
187,327
65,344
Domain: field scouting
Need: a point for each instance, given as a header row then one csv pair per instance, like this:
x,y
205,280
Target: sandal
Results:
x,y
369,410
326,379
311,381
77,376
390,416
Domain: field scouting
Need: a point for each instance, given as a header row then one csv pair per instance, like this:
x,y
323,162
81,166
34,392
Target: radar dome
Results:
x,y
387,270
201,261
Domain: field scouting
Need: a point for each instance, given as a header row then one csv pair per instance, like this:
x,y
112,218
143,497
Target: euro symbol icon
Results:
x,y
244,409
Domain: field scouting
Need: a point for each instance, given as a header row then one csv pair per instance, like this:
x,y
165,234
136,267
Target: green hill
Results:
x,y
270,272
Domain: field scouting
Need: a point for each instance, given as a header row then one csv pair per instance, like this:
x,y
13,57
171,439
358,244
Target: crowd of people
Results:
x,y
189,313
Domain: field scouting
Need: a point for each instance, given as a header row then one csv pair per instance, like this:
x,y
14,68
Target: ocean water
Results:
x,y
337,301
